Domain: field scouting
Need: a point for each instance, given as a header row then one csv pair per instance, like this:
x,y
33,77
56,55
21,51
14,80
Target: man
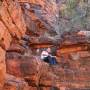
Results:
x,y
44,56
47,57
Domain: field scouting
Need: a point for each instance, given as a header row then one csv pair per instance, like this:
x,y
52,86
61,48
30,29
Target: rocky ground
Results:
x,y
28,26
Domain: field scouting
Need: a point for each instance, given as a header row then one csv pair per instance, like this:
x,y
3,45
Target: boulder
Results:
x,y
28,67
13,83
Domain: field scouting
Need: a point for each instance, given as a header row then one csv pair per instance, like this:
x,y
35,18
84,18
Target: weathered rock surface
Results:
x,y
2,67
46,21
13,83
51,18
12,18
72,71
12,26
29,68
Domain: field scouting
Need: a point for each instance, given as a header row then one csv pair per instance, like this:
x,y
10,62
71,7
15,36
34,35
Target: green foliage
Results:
x,y
77,15
71,4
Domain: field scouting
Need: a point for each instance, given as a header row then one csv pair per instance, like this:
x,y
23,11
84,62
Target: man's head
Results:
x,y
49,50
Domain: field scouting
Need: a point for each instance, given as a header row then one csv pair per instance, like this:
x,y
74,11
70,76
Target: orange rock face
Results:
x,y
26,67
2,30
13,83
18,48
2,67
11,26
40,16
6,39
12,18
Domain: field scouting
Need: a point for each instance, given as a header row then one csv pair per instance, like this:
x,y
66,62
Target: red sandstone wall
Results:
x,y
27,71
11,26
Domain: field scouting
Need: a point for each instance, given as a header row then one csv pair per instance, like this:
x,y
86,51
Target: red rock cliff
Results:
x,y
27,26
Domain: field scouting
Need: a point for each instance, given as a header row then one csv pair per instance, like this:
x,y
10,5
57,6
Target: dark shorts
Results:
x,y
46,59
50,60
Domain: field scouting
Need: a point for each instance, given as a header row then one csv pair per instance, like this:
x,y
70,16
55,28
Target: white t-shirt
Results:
x,y
44,54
